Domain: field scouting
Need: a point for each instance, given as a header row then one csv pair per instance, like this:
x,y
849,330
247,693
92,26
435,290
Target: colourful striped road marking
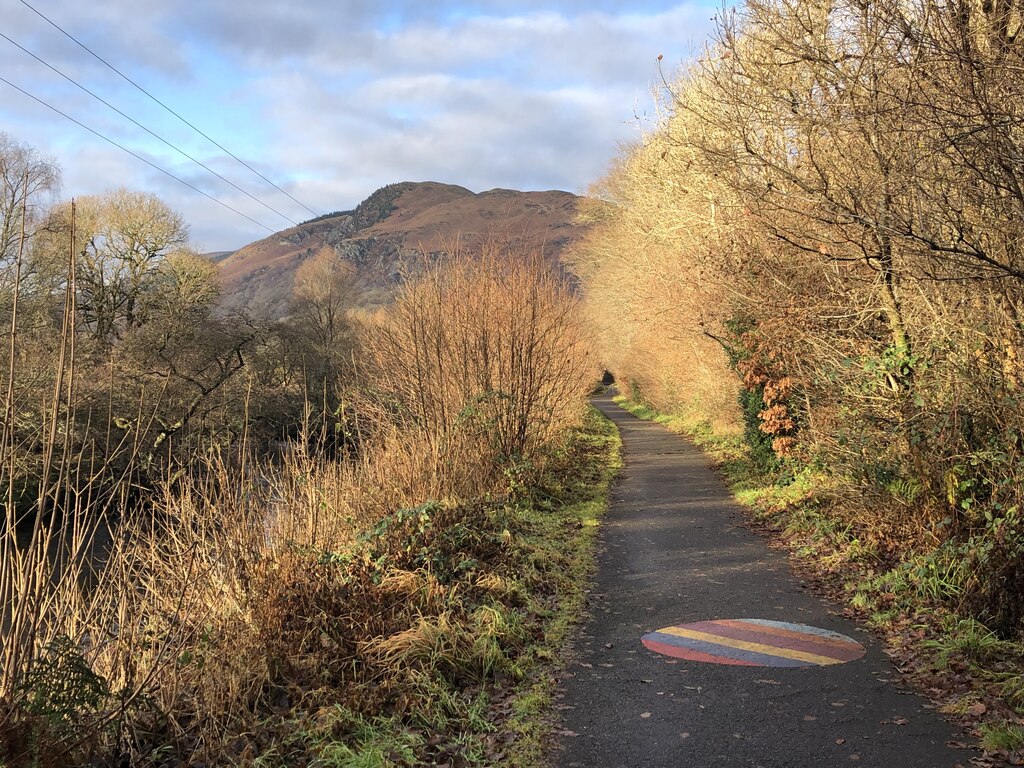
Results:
x,y
754,642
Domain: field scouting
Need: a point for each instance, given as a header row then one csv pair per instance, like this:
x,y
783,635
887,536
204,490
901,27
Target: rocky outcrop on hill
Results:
x,y
387,235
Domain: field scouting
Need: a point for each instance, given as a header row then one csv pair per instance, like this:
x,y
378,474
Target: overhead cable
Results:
x,y
156,136
114,69
135,155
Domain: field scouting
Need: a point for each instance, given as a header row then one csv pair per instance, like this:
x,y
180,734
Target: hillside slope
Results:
x,y
393,230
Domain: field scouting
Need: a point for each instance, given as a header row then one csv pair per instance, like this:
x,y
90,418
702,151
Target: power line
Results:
x,y
110,66
177,149
135,155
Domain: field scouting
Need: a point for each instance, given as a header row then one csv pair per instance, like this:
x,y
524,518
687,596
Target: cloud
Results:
x,y
332,100
130,33
477,132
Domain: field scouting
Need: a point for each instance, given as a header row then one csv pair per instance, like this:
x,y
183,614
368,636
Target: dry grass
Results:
x,y
238,588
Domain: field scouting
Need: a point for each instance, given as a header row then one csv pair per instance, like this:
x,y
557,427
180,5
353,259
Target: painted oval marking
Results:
x,y
754,643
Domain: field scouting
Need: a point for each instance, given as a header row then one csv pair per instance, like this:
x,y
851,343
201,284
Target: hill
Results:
x,y
393,230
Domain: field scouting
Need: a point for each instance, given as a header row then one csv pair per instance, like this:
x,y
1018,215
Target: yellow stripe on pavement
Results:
x,y
743,645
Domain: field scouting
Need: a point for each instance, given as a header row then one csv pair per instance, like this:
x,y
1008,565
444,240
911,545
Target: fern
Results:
x,y
61,686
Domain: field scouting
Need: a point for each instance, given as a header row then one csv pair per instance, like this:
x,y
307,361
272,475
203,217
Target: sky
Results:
x,y
332,99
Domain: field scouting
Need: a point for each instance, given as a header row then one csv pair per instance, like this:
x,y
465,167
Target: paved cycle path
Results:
x,y
673,552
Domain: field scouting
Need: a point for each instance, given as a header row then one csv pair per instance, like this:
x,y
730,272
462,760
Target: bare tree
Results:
x,y
27,181
124,238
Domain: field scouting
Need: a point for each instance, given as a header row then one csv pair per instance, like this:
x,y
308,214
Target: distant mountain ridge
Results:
x,y
392,230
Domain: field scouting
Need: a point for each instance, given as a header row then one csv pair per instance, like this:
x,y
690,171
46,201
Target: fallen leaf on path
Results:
x,y
810,717
567,733
645,714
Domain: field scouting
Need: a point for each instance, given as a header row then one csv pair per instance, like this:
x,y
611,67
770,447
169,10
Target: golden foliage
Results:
x,y
825,205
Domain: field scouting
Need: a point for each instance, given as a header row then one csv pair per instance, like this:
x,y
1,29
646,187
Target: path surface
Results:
x,y
674,551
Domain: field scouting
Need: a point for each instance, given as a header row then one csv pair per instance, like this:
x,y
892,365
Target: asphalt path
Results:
x,y
674,550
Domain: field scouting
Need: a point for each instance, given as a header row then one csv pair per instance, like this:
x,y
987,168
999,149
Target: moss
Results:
x,y
566,537
1003,736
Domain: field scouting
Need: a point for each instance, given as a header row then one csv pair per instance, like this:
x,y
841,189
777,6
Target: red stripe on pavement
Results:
x,y
680,652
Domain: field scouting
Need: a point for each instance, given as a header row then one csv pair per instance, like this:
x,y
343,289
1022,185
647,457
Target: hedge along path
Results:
x,y
681,583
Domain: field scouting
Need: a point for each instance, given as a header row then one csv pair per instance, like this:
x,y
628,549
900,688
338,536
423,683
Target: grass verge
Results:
x,y
565,539
459,616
